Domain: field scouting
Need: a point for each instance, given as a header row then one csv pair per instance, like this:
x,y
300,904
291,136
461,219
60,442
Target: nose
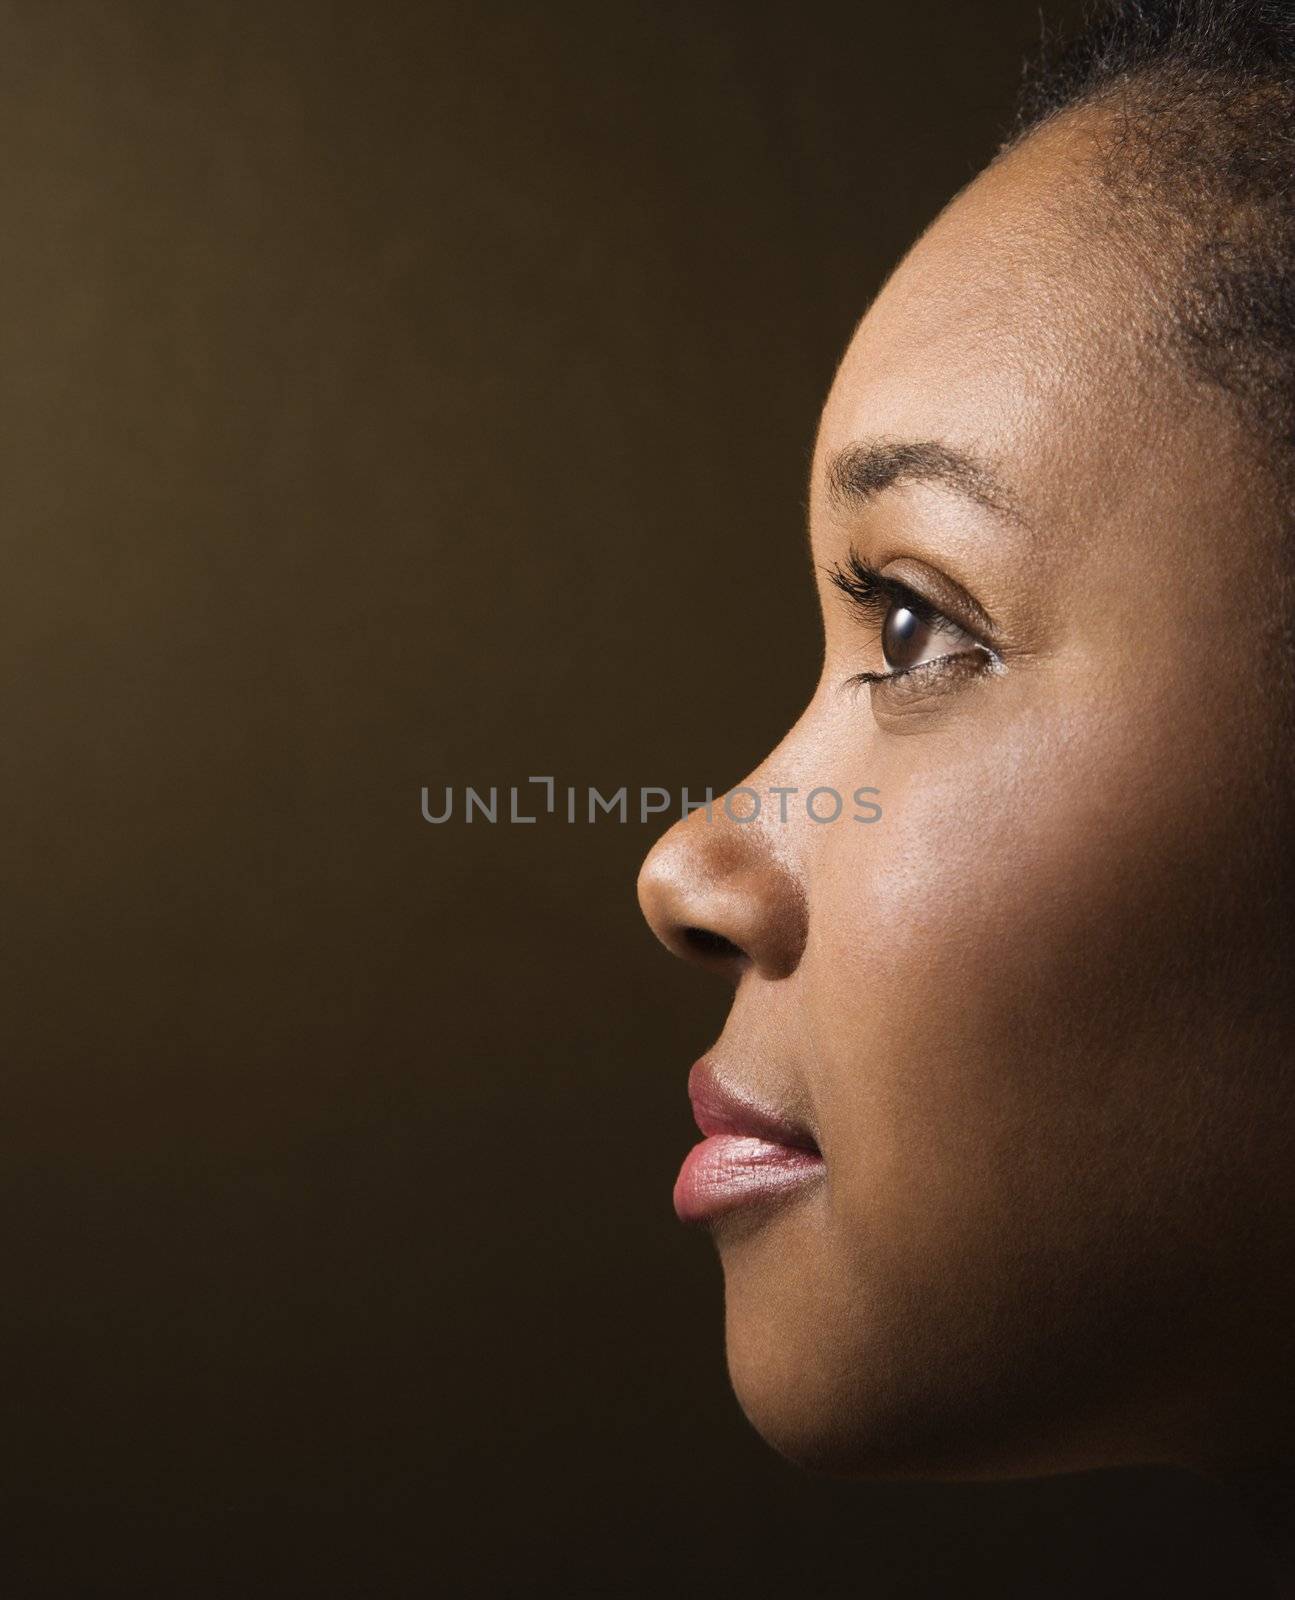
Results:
x,y
718,892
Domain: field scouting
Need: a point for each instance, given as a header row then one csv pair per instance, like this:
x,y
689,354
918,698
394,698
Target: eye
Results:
x,y
912,635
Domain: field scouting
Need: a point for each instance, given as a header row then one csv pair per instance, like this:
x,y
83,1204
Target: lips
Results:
x,y
750,1155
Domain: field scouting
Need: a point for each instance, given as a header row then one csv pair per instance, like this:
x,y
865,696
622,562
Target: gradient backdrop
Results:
x,y
400,394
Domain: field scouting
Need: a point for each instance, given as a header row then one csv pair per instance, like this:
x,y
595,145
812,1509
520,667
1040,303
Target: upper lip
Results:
x,y
720,1108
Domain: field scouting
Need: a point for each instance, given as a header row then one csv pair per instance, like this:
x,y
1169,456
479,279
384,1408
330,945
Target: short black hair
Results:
x,y
1202,144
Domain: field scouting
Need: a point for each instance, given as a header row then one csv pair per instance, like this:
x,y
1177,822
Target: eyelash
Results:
x,y
874,594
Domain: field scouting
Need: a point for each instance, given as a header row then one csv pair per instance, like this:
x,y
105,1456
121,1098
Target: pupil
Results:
x,y
902,637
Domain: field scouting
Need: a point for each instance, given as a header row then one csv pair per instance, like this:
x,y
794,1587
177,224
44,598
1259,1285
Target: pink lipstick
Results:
x,y
750,1153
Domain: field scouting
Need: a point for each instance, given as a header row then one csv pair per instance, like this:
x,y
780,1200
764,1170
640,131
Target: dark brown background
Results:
x,y
401,394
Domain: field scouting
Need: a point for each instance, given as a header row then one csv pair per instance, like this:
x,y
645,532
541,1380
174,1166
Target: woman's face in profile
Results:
x,y
1023,1030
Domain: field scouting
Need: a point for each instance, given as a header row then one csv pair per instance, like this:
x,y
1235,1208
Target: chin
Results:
x,y
821,1391
888,1435
953,1398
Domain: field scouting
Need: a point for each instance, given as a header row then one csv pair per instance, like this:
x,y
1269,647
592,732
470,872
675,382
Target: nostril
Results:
x,y
705,944
725,903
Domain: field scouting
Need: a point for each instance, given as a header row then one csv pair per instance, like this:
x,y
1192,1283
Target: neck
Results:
x,y
1267,1496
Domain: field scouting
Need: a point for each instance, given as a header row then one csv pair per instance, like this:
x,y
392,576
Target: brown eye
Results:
x,y
916,636
904,636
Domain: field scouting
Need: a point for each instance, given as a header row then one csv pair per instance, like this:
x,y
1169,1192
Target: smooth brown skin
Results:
x,y
1034,1016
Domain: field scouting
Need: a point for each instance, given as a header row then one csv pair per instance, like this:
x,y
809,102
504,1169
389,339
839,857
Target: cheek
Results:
x,y
1016,1035
1002,1007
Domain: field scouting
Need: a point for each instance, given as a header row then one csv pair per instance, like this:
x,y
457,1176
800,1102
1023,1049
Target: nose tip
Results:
x,y
716,895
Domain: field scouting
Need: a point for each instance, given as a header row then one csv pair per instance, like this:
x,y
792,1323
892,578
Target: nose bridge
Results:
x,y
725,887
769,803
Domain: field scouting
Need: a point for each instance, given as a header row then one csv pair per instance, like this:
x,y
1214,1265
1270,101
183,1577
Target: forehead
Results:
x,y
1017,329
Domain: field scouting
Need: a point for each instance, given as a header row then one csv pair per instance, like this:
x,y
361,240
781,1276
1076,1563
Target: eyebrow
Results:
x,y
860,472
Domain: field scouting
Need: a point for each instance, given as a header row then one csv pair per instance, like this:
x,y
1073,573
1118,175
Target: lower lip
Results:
x,y
729,1170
